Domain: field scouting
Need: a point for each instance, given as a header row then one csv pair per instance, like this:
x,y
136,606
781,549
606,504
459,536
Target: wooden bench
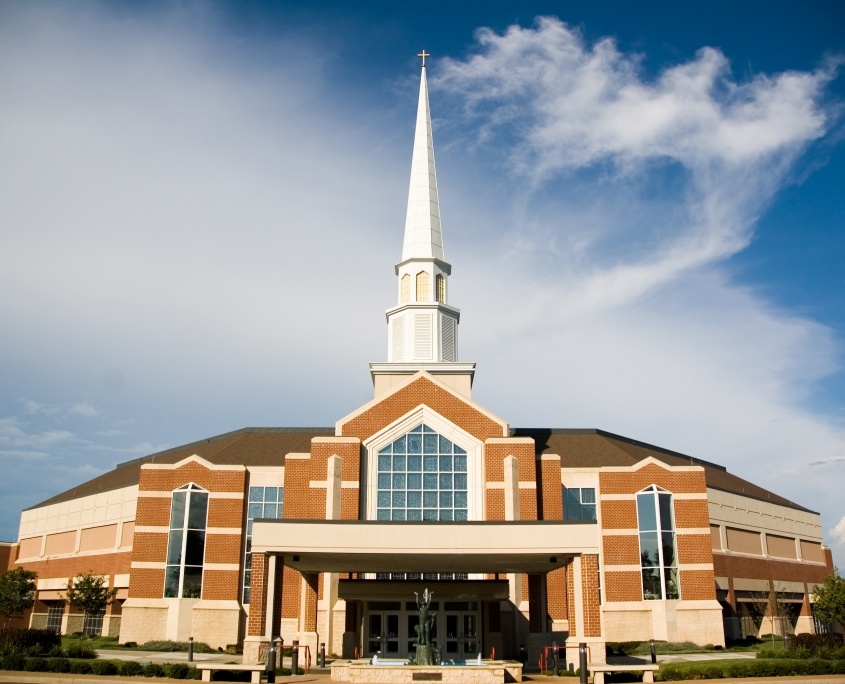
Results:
x,y
598,670
256,669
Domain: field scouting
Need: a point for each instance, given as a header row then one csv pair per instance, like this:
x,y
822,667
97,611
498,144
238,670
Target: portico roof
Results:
x,y
461,547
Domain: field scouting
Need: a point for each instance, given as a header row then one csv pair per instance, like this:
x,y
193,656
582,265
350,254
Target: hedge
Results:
x,y
749,668
21,640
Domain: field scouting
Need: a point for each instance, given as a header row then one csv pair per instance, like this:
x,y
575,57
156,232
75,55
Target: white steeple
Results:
x,y
422,327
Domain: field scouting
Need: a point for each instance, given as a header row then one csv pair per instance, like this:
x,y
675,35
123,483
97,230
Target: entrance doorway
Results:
x,y
390,629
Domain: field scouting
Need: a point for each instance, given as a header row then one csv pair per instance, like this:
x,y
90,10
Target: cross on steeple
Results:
x,y
423,54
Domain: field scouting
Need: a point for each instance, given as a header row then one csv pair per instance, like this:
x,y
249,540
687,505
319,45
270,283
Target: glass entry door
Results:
x,y
383,634
461,638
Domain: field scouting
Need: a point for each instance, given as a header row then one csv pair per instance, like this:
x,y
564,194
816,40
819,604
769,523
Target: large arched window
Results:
x,y
186,542
421,476
658,556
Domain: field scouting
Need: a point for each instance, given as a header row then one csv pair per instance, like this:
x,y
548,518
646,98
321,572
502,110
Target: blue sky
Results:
x,y
201,205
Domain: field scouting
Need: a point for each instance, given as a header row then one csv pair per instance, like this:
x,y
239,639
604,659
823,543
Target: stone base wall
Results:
x,y
697,621
359,672
141,623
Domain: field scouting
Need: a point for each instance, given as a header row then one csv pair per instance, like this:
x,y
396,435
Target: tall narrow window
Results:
x,y
264,502
658,557
440,288
422,476
405,288
186,542
423,294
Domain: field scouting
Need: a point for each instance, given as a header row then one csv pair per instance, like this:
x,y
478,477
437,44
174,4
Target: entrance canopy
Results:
x,y
459,547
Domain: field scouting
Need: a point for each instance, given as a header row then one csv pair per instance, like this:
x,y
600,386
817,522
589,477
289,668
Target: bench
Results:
x,y
598,670
254,668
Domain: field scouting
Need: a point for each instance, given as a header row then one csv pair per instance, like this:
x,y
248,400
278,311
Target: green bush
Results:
x,y
814,641
80,667
131,668
176,670
153,670
176,646
59,665
36,665
21,640
80,651
13,661
771,667
103,667
194,673
57,652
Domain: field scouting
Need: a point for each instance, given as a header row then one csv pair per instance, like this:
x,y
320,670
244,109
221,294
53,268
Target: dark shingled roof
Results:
x,y
267,446
591,448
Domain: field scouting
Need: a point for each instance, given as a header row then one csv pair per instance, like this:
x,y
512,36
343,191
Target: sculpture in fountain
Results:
x,y
425,649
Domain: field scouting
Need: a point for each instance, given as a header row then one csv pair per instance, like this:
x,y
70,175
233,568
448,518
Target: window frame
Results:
x,y
661,506
192,492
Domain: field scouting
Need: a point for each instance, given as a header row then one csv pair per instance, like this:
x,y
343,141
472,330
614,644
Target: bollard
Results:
x,y
294,657
653,653
322,659
190,649
270,666
787,642
582,661
555,659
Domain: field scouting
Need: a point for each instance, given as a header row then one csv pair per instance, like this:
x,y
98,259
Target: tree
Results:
x,y
17,593
829,599
90,593
768,605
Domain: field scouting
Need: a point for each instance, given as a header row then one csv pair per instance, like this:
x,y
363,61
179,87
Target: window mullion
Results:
x,y
188,498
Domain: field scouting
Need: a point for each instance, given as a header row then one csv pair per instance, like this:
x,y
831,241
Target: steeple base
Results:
x,y
458,376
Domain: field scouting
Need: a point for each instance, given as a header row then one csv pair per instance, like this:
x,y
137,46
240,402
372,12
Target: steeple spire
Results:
x,y
422,327
423,238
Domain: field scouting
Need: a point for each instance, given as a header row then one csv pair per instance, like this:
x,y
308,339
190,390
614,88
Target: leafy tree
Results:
x,y
90,593
769,605
829,599
17,593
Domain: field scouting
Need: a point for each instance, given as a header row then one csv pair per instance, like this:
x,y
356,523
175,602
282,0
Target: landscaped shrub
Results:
x,y
103,667
194,673
814,641
13,661
750,668
80,651
36,665
153,670
20,640
176,646
130,668
80,667
57,652
59,665
176,670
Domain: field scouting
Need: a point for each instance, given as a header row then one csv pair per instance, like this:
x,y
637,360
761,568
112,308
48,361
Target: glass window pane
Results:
x,y
194,547
271,494
415,481
414,499
445,481
445,464
445,445
430,481
192,583
399,499
446,515
588,495
668,539
429,514
414,514
460,482
384,464
398,514
430,464
383,514
171,581
588,512
645,512
400,445
430,444
254,510
174,547
384,481
649,554
665,511
256,493
386,451
460,463
399,464
177,510
414,464
414,444
430,499
672,591
460,499
460,514
383,499
445,499
269,510
197,511
399,482
651,584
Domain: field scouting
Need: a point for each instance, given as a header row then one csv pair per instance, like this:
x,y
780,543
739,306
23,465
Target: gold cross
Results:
x,y
423,54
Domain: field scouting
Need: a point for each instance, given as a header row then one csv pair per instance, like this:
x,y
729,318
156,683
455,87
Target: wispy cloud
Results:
x,y
84,409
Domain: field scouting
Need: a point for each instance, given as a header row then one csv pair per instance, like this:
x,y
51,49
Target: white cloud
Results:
x,y
84,409
838,532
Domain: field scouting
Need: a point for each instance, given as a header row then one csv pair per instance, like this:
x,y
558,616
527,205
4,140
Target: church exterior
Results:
x,y
525,537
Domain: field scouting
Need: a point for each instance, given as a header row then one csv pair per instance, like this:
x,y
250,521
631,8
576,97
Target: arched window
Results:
x,y
423,294
658,555
186,542
422,476
440,288
405,287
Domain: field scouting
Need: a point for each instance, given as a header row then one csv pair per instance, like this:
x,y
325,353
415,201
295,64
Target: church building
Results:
x,y
525,537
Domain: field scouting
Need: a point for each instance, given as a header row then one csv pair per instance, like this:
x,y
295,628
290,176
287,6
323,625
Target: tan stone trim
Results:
x,y
650,460
550,457
323,484
695,566
148,565
528,485
221,566
192,459
152,529
153,494
297,456
692,530
494,485
402,385
350,484
681,496
510,440
224,530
